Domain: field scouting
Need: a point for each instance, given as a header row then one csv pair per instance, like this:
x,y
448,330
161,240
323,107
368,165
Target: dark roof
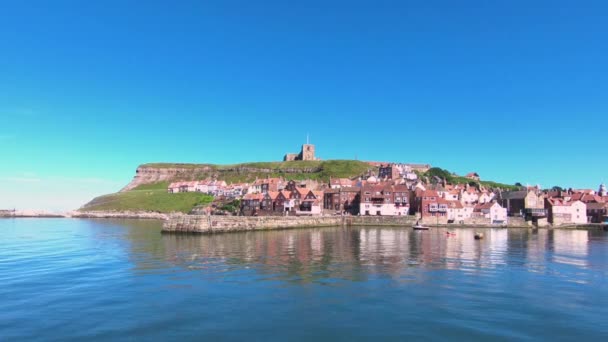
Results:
x,y
594,205
508,195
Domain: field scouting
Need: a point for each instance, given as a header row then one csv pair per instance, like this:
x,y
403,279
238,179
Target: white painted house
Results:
x,y
562,212
492,211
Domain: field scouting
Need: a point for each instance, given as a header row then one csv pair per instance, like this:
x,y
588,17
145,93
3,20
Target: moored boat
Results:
x,y
418,226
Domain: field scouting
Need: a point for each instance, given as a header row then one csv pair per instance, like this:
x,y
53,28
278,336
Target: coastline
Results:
x,y
202,224
94,214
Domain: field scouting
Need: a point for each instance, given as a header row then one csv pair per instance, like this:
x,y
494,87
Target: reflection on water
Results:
x,y
354,253
122,279
570,247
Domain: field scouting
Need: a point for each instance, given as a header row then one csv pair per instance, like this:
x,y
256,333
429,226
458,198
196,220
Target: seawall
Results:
x,y
118,214
221,224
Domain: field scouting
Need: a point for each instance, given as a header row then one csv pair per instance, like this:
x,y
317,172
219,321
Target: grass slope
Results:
x,y
321,170
153,197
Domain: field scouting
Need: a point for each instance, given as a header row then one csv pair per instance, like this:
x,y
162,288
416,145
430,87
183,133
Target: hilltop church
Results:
x,y
307,153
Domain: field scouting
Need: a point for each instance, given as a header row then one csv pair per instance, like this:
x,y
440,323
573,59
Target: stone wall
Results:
x,y
219,224
405,221
118,214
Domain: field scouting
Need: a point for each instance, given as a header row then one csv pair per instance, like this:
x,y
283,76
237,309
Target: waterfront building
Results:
x,y
491,211
457,213
562,212
342,200
311,204
525,203
596,212
250,204
384,200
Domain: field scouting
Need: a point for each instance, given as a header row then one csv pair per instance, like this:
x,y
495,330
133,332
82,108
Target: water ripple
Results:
x,y
109,280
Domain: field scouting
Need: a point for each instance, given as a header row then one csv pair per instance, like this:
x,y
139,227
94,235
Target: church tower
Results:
x,y
308,152
603,191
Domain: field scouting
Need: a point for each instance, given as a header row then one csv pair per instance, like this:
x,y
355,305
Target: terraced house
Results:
x,y
384,200
343,200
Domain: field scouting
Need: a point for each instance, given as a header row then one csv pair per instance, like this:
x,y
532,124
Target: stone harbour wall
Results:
x,y
221,224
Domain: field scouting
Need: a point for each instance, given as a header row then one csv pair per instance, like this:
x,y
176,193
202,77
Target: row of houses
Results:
x,y
446,207
211,187
298,201
384,196
557,207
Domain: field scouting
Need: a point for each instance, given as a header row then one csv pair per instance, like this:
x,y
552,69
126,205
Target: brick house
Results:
x,y
251,204
311,203
427,204
342,200
384,200
596,212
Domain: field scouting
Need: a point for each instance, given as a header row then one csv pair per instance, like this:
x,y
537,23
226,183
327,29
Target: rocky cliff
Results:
x,y
317,170
151,174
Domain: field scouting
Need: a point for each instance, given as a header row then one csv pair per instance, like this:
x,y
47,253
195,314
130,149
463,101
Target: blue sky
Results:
x,y
515,90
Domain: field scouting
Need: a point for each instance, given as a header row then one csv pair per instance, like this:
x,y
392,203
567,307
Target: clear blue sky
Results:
x,y
515,90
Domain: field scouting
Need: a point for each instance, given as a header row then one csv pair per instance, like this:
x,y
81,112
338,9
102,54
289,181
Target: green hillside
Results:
x,y
147,198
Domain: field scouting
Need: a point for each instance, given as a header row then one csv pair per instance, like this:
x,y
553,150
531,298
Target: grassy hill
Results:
x,y
149,197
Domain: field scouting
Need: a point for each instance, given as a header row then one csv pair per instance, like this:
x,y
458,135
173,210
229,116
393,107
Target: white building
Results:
x,y
492,211
562,212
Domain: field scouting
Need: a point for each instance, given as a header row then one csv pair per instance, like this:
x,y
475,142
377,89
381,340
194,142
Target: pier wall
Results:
x,y
220,224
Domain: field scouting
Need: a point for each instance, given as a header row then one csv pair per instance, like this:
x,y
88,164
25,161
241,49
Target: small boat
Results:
x,y
478,236
418,226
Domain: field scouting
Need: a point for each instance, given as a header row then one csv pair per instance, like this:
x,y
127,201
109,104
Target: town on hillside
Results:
x,y
398,189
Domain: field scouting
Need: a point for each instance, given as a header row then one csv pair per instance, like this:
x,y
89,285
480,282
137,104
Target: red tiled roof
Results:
x,y
587,198
427,193
253,197
480,207
273,195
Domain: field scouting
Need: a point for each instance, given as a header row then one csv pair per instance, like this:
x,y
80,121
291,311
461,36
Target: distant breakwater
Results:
x,y
89,214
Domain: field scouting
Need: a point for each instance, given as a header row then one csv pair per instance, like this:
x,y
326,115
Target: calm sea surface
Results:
x,y
123,280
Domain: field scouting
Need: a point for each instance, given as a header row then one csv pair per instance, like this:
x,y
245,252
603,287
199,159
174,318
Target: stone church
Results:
x,y
307,153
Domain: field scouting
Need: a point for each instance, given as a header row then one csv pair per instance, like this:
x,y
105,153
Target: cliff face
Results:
x,y
247,172
148,175
152,174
